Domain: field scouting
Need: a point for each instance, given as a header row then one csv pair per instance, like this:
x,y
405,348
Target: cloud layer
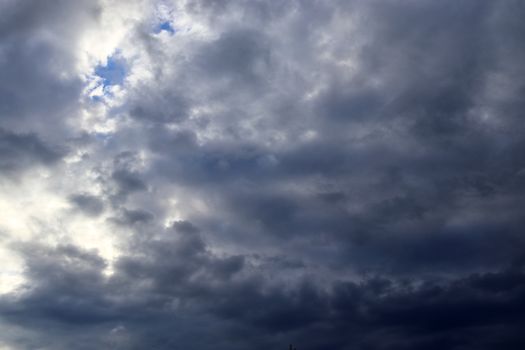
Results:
x,y
249,174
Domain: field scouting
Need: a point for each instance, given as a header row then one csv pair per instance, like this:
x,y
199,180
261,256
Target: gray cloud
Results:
x,y
20,151
343,175
34,52
88,204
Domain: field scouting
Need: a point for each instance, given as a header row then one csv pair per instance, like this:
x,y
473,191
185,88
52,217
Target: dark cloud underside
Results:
x,y
336,175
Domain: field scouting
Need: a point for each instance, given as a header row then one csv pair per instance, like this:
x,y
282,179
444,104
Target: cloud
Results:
x,y
343,174
39,85
88,204
21,151
176,281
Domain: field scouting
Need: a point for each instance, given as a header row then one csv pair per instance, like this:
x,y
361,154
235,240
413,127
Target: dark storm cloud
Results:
x,y
128,181
33,94
131,217
68,291
350,174
88,204
176,278
34,39
165,107
239,55
426,157
20,151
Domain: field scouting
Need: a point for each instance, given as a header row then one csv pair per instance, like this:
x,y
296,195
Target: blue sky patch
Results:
x,y
164,26
113,73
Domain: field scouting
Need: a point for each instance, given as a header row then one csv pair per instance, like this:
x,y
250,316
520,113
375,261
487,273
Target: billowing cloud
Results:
x,y
234,174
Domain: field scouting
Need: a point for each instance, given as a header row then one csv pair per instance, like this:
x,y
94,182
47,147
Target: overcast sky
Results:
x,y
246,174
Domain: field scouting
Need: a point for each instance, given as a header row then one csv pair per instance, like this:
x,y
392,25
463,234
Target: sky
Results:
x,y
246,174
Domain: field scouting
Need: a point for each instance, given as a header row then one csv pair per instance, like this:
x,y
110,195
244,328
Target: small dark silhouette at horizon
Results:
x,y
291,347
